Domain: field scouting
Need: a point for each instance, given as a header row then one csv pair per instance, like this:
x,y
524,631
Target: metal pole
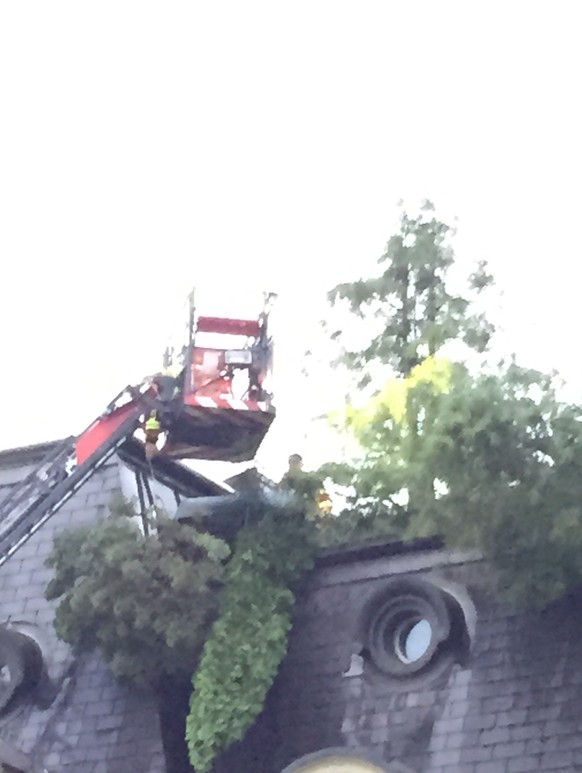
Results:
x,y
187,385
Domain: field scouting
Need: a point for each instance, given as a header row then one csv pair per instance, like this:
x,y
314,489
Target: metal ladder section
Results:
x,y
33,501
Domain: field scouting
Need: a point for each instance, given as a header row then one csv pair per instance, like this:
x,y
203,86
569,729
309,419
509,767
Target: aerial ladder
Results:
x,y
219,407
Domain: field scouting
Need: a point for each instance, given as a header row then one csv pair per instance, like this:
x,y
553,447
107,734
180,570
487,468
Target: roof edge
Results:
x,y
368,551
29,453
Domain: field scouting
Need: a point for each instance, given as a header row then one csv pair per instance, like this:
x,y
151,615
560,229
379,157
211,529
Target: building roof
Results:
x,y
23,455
131,453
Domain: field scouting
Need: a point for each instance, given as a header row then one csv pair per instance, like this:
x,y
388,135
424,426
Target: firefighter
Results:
x,y
295,464
294,472
153,429
168,383
307,484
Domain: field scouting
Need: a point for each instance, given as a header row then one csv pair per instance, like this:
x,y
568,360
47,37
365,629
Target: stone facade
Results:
x,y
86,722
514,706
510,702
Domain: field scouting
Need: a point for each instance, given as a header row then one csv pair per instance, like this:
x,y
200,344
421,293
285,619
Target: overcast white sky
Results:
x,y
146,147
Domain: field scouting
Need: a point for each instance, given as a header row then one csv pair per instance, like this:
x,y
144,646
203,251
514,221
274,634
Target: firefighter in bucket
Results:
x,y
153,430
166,387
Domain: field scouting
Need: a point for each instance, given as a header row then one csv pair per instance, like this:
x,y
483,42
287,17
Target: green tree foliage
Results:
x,y
410,305
154,600
249,640
388,480
145,602
488,460
507,455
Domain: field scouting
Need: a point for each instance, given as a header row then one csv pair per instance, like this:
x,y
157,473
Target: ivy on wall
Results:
x,y
174,600
249,639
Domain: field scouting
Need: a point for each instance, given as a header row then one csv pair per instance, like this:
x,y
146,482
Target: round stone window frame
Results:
x,y
398,605
22,661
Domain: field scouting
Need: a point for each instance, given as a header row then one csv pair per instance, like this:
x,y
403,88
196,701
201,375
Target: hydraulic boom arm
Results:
x,y
64,470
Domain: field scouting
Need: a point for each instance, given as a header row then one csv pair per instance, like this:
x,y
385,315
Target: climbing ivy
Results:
x,y
249,640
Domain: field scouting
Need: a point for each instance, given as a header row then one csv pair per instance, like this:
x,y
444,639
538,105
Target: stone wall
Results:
x,y
508,701
512,705
86,722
